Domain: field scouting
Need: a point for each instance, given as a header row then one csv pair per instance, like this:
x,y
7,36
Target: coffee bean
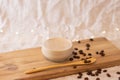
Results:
x,y
96,73
97,52
102,51
84,54
86,78
97,78
118,72
108,75
89,72
74,53
82,58
79,77
74,67
87,45
80,73
87,61
75,48
88,57
79,41
102,54
89,54
92,74
91,39
104,70
81,51
118,78
70,59
77,57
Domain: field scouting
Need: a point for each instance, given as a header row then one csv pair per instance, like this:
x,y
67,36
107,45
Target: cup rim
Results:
x,y
69,41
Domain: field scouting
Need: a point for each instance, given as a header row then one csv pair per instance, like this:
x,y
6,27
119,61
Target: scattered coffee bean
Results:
x,y
92,74
86,78
82,58
91,39
102,54
79,77
80,73
74,67
118,72
108,75
97,78
102,51
81,51
75,48
89,72
87,45
77,57
96,73
84,54
88,57
97,52
104,70
118,78
89,54
74,53
79,41
70,59
87,61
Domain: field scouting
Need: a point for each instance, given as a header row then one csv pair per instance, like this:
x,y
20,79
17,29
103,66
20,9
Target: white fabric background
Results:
x,y
27,23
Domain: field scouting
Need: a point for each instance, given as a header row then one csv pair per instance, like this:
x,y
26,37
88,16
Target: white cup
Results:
x,y
57,49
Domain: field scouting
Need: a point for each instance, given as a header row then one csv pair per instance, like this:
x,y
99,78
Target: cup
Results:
x,y
57,49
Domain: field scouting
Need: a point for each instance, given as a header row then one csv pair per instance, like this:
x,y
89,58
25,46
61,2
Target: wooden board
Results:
x,y
13,64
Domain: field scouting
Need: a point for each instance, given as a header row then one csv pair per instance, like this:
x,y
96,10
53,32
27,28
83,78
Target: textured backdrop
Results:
x,y
27,23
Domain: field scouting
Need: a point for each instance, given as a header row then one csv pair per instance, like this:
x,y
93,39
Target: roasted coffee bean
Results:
x,y
89,72
102,51
79,77
91,39
86,78
81,51
89,54
74,67
118,72
82,58
97,52
97,78
84,54
77,57
104,70
96,73
80,73
87,45
74,53
99,70
79,41
108,75
75,48
119,78
70,59
102,54
87,61
92,74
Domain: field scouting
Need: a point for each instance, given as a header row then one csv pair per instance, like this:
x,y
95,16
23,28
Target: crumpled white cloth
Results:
x,y
27,23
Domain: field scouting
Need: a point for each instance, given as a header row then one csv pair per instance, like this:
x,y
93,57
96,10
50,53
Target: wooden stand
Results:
x,y
13,64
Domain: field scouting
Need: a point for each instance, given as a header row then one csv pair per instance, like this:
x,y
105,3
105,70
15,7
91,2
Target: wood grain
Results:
x,y
13,64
